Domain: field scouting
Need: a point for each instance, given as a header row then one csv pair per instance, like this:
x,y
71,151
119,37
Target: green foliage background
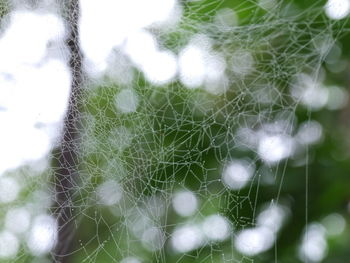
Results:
x,y
177,145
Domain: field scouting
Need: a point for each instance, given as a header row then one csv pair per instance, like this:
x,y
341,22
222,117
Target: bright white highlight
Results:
x,y
256,240
247,138
187,238
334,224
216,228
153,239
274,148
242,62
323,44
127,101
130,260
42,236
253,241
42,92
140,46
109,192
226,19
311,93
120,138
22,143
237,174
24,42
200,66
337,9
215,80
315,97
17,220
119,19
192,66
140,223
267,4
9,189
185,203
35,88
337,99
309,133
272,217
161,68
9,245
96,43
314,245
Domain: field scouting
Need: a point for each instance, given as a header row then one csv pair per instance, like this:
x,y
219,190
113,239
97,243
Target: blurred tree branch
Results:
x,y
66,157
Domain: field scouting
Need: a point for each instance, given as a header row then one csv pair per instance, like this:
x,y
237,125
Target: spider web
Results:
x,y
186,129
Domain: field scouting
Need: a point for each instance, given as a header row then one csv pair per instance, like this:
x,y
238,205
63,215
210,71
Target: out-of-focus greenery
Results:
x,y
180,138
